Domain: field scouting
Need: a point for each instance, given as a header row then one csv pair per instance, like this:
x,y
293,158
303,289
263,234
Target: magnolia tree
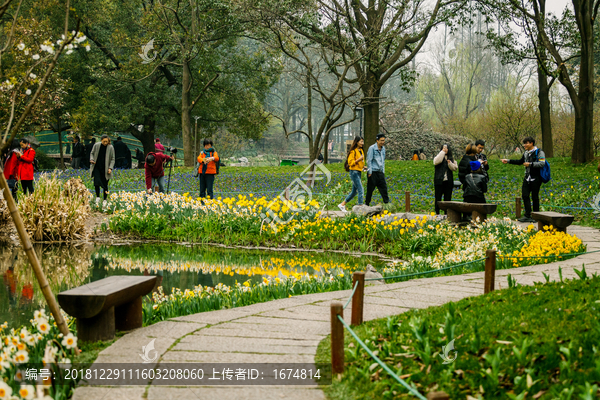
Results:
x,y
27,63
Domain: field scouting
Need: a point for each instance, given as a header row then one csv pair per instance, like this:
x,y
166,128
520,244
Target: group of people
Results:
x,y
373,165
472,173
208,167
19,166
81,153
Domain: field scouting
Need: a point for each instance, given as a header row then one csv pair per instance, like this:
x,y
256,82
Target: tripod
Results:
x,y
170,170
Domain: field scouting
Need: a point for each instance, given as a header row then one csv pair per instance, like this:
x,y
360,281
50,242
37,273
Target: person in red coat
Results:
x,y
10,167
155,172
25,166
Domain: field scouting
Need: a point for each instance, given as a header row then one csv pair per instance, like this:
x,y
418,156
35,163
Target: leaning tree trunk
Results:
x,y
186,123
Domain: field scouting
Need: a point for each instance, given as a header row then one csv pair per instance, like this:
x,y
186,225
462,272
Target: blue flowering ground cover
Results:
x,y
573,188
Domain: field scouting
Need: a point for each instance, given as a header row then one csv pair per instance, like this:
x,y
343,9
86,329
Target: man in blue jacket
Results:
x,y
376,170
533,160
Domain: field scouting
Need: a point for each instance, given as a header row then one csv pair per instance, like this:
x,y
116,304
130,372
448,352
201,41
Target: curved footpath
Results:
x,y
289,330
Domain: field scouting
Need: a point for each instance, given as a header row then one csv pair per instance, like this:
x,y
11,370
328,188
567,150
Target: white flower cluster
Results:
x,y
25,346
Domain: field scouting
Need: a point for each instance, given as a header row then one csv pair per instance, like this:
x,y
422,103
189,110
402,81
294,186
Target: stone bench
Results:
x,y
454,209
103,306
559,221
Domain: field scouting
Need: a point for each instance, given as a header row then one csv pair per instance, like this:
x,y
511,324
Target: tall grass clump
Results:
x,y
57,210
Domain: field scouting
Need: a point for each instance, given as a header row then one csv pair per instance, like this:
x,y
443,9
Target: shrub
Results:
x,y
45,162
57,210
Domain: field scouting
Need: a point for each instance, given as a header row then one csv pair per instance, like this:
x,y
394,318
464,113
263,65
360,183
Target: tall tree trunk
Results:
x,y
544,106
371,113
583,143
186,119
146,137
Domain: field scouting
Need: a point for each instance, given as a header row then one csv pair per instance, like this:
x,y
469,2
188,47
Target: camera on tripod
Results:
x,y
172,150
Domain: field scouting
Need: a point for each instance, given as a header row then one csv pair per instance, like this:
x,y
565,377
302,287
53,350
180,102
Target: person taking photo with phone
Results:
x,y
443,179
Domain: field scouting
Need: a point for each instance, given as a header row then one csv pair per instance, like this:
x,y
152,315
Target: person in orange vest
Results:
x,y
25,166
208,160
415,156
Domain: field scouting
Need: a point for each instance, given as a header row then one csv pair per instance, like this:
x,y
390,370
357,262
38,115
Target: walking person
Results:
x,y
443,179
208,160
102,162
355,165
78,153
533,160
155,171
475,184
25,171
376,170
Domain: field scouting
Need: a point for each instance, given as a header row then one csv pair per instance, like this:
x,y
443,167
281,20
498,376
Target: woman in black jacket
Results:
x,y
443,180
464,167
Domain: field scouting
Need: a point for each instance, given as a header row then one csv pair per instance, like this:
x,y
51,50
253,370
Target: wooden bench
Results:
x,y
105,305
559,221
454,209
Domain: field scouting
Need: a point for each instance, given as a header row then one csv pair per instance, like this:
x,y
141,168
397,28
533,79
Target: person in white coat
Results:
x,y
102,162
443,180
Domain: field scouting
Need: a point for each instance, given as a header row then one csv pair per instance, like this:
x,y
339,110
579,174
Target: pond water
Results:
x,y
177,266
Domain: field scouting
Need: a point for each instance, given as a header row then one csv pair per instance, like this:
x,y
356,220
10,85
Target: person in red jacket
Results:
x,y
25,166
155,172
208,160
10,167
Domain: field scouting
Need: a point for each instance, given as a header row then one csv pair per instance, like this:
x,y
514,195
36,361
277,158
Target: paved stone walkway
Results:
x,y
289,330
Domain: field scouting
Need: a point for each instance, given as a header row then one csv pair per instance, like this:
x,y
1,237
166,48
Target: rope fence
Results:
x,y
338,324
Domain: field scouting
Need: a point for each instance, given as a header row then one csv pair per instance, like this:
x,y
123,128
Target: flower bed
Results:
x,y
40,346
427,245
243,221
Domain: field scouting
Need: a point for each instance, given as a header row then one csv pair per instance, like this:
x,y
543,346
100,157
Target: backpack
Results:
x,y
545,174
346,165
36,165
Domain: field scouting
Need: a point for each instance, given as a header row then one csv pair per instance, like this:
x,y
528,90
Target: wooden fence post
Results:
x,y
490,271
358,298
337,338
438,396
407,201
518,207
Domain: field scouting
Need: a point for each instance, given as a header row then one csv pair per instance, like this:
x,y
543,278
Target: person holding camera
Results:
x,y
533,160
443,179
208,160
155,171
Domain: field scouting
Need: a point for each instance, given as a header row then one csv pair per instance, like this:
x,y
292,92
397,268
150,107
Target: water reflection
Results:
x,y
176,266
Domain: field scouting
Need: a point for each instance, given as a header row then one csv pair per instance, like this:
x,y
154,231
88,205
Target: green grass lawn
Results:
x,y
526,342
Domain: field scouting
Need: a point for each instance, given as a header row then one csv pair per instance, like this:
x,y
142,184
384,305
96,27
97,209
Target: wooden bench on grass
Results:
x,y
105,305
454,209
559,221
